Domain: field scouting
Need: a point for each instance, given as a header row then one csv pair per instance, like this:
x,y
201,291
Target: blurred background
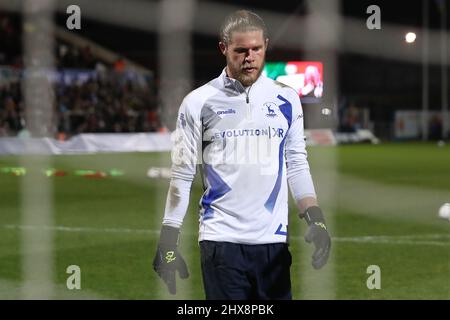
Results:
x,y
110,72
89,95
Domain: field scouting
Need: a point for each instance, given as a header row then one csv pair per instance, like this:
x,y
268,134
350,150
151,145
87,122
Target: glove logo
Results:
x,y
170,256
321,224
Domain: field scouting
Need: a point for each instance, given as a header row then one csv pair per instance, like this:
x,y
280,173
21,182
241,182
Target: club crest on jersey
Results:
x,y
270,108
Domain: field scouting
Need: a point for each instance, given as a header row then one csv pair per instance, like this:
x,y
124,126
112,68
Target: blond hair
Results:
x,y
241,21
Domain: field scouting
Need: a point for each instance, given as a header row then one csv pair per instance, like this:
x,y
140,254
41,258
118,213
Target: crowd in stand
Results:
x,y
114,103
10,41
111,99
111,104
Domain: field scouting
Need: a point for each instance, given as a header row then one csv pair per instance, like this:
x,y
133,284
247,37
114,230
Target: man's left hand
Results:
x,y
318,234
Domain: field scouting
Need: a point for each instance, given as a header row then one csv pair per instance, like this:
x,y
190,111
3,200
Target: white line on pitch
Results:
x,y
425,239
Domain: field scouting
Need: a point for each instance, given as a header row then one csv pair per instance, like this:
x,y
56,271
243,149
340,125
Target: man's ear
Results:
x,y
267,43
222,47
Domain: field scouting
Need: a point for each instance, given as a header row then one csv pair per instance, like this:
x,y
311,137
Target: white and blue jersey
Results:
x,y
248,142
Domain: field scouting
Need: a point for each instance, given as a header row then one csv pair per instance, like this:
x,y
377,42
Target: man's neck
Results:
x,y
227,73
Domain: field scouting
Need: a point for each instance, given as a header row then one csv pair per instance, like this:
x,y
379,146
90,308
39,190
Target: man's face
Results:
x,y
245,55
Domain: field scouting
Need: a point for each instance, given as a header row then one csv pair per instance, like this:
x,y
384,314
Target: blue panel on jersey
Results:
x,y
283,233
218,188
286,109
270,203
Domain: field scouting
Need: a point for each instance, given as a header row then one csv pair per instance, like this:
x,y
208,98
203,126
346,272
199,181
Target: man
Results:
x,y
244,209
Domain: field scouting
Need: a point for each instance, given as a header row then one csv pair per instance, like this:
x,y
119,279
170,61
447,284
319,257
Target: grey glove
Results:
x,y
318,234
168,260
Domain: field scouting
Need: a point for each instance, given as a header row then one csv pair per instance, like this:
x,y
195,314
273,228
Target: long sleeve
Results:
x,y
298,173
185,152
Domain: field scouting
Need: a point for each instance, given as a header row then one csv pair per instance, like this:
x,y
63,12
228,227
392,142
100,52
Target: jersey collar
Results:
x,y
233,84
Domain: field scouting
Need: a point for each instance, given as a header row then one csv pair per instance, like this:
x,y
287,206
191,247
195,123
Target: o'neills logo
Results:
x,y
229,111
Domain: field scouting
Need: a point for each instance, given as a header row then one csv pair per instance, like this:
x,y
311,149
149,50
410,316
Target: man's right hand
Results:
x,y
168,260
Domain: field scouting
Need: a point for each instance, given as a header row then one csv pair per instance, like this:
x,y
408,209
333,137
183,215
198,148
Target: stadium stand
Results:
x,y
96,90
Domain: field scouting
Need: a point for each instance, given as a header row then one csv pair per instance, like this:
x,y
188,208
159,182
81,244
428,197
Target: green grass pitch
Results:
x,y
381,202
